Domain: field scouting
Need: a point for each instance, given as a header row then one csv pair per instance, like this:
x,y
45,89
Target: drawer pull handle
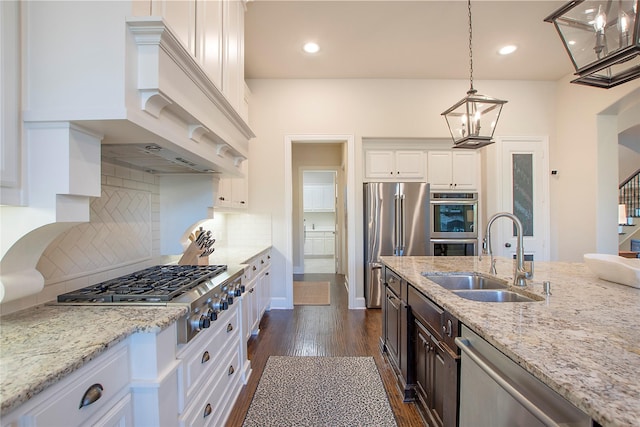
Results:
x,y
229,327
205,357
251,290
254,268
261,261
92,394
231,370
266,274
207,410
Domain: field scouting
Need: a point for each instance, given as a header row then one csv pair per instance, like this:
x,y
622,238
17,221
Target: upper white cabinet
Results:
x,y
394,164
233,193
212,31
319,198
452,170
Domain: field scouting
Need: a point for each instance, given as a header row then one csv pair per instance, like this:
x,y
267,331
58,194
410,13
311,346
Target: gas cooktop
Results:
x,y
160,283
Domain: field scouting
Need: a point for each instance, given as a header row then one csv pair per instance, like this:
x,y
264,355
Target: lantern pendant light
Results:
x,y
472,120
602,37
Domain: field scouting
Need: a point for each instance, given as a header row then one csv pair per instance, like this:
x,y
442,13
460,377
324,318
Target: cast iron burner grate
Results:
x,y
154,284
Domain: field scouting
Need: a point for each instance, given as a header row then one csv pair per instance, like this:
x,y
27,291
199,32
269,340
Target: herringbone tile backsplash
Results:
x,y
119,233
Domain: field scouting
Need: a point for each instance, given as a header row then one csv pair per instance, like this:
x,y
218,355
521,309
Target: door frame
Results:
x,y
350,181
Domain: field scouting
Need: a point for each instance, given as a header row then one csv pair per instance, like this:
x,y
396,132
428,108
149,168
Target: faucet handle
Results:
x,y
528,269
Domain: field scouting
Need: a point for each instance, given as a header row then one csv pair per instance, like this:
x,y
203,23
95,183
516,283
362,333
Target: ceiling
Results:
x,y
422,39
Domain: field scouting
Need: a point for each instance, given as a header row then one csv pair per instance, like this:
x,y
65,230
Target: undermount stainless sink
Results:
x,y
493,295
478,287
466,281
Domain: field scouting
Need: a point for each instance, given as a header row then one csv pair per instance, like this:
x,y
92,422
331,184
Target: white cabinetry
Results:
x,y
394,164
257,296
233,193
319,198
452,170
211,377
319,243
212,31
96,394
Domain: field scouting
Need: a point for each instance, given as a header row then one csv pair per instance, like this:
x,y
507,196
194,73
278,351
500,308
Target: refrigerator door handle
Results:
x,y
402,223
396,228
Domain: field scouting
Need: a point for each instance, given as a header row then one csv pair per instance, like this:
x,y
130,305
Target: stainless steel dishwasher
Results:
x,y
497,392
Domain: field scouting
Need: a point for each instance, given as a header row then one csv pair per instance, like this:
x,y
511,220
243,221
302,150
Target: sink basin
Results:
x,y
466,281
493,295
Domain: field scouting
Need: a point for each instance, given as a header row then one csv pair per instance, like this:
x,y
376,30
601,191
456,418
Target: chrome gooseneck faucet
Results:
x,y
521,273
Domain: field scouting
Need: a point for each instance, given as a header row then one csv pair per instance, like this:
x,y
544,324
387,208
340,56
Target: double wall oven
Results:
x,y
454,224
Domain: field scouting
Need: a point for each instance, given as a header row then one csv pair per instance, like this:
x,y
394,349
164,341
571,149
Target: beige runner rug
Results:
x,y
311,293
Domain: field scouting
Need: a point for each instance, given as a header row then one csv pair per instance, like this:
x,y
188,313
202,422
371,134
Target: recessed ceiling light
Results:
x,y
311,47
506,50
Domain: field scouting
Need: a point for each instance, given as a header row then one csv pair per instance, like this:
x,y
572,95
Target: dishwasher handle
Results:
x,y
466,347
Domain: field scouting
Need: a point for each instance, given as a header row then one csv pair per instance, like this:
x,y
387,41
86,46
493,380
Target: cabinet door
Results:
x,y
379,164
328,198
464,169
439,170
239,193
180,16
233,66
120,415
209,39
392,326
329,243
223,197
409,164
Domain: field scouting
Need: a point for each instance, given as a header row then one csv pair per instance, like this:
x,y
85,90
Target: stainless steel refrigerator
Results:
x,y
396,222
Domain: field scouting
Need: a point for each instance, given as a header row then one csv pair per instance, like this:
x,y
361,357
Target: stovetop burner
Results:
x,y
154,284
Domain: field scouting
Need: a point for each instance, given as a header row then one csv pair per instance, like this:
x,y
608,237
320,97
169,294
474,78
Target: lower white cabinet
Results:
x,y
96,394
257,297
320,243
211,371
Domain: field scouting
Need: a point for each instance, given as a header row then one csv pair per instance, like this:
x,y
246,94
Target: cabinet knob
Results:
x,y
221,198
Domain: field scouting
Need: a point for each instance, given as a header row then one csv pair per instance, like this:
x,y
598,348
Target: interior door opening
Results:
x,y
319,221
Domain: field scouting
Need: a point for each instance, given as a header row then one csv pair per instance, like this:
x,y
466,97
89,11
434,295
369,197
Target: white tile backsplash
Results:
x,y
123,236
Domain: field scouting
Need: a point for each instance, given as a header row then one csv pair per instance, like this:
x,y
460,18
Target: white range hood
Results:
x,y
126,91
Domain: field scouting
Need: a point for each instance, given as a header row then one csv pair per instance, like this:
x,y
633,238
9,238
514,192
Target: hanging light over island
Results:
x,y
472,120
602,38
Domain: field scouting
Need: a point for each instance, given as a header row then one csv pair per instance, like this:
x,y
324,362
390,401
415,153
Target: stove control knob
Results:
x,y
200,321
212,314
243,289
238,291
220,304
230,298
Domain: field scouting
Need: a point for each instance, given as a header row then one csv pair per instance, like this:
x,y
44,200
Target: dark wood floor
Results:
x,y
321,331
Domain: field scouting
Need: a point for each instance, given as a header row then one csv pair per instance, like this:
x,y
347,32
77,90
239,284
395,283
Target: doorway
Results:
x,y
309,151
321,233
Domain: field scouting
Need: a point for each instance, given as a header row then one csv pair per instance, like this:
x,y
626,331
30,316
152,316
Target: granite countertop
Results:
x,y
583,340
42,345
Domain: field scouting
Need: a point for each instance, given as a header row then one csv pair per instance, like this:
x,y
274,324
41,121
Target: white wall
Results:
x,y
585,153
366,108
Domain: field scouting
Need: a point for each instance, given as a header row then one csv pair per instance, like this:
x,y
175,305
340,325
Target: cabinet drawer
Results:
x,y
204,411
430,314
393,281
106,379
200,361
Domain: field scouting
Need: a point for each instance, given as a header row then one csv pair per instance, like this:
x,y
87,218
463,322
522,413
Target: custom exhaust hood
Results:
x,y
126,92
151,158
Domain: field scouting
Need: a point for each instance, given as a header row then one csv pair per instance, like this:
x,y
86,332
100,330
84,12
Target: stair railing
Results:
x,y
629,194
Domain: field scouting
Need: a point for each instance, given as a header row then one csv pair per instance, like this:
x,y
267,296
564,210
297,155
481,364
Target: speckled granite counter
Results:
x,y
42,345
582,341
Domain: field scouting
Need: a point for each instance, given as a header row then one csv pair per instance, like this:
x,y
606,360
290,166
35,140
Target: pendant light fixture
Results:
x,y
473,119
602,38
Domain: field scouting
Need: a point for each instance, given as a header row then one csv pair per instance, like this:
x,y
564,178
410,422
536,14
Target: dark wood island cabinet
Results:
x,y
418,339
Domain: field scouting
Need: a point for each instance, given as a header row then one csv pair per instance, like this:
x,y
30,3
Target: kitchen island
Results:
x,y
583,340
